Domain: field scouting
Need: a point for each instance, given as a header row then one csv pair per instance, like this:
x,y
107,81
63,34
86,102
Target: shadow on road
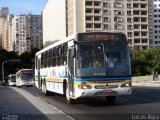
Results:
x,y
15,106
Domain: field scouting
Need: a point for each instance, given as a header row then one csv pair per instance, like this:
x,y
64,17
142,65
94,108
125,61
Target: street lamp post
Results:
x,y
3,66
3,70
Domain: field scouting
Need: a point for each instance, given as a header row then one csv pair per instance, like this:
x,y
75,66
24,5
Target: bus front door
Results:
x,y
38,70
71,72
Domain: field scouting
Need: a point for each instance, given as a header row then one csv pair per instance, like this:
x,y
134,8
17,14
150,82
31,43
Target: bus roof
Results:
x,y
25,70
57,43
69,38
12,75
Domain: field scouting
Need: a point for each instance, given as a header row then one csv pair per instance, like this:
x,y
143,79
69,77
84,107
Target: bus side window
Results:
x,y
54,57
65,46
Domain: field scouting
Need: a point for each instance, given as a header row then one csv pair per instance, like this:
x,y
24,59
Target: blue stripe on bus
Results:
x,y
46,76
100,79
40,76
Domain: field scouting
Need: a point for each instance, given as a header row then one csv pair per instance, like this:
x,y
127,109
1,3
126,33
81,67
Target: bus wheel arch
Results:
x,y
68,98
64,87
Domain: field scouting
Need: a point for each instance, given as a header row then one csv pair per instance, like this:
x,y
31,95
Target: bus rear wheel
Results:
x,y
111,99
69,100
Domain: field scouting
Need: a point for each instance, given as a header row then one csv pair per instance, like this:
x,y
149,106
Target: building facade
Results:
x,y
26,32
35,31
156,41
132,17
4,12
3,27
54,21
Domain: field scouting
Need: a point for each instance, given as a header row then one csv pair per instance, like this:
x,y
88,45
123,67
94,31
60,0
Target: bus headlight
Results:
x,y
126,85
84,86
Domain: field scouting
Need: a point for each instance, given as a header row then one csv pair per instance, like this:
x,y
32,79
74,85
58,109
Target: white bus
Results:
x,y
69,66
12,79
24,77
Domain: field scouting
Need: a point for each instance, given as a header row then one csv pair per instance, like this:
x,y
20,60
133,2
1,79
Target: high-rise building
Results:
x,y
4,31
10,41
131,17
156,41
26,32
3,27
35,31
4,12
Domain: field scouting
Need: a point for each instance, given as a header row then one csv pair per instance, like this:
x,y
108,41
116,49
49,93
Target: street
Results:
x,y
30,100
16,103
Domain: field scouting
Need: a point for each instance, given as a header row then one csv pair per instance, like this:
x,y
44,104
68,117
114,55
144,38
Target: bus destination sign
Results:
x,y
101,36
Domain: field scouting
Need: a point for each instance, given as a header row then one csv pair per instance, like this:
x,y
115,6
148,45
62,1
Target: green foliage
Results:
x,y
145,61
12,67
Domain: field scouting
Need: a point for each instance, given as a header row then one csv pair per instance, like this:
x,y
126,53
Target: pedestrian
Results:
x,y
153,73
156,76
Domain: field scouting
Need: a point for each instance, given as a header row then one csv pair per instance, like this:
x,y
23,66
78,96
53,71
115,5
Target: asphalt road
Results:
x,y
144,103
19,104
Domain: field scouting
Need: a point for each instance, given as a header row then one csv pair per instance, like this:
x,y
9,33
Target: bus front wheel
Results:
x,y
69,100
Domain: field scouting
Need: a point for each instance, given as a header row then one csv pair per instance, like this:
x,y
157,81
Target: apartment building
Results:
x,y
143,23
26,32
132,17
4,12
156,41
3,27
21,44
34,23
4,33
10,46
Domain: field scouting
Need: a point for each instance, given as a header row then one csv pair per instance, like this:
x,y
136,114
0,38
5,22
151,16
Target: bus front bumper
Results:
x,y
103,92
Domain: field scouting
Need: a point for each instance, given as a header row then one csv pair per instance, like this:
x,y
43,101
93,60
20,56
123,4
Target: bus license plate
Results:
x,y
105,92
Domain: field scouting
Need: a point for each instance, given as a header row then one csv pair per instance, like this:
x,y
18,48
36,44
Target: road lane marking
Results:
x,y
65,114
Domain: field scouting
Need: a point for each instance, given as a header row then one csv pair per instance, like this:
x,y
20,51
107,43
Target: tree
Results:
x,y
145,61
26,58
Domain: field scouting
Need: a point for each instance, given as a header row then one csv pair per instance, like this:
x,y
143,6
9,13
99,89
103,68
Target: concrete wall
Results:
x,y
143,78
54,21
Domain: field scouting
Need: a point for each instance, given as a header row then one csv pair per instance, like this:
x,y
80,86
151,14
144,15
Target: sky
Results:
x,y
18,7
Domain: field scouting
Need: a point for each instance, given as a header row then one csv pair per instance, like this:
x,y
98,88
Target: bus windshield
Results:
x,y
27,76
13,78
103,59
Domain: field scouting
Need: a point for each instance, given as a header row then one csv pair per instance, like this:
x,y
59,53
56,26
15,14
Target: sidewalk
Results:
x,y
145,81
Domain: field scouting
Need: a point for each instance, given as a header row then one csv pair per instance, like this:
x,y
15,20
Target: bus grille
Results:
x,y
105,86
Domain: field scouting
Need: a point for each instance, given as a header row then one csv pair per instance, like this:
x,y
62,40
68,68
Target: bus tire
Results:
x,y
111,99
69,100
64,87
44,88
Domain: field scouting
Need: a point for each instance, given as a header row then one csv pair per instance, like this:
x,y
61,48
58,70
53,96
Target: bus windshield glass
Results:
x,y
103,59
27,76
13,78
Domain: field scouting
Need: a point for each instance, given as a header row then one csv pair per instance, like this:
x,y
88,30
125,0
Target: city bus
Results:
x,y
77,66
24,77
12,79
